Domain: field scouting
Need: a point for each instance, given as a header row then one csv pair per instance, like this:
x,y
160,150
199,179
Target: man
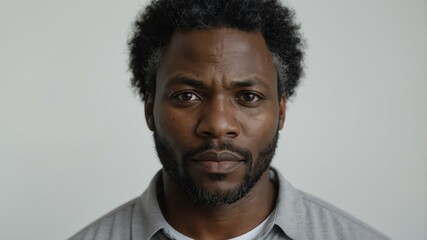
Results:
x,y
215,76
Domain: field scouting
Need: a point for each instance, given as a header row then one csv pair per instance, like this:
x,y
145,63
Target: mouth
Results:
x,y
215,156
218,162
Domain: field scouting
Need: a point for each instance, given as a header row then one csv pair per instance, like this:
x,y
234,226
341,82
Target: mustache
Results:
x,y
226,146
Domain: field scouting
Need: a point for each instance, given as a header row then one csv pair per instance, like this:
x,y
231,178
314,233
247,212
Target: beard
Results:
x,y
181,176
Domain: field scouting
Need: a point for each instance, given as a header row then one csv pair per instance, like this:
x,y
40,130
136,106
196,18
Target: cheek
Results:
x,y
173,126
260,129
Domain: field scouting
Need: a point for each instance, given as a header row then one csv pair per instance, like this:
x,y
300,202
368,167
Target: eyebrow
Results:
x,y
186,81
254,81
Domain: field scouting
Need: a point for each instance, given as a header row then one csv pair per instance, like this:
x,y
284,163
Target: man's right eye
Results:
x,y
186,97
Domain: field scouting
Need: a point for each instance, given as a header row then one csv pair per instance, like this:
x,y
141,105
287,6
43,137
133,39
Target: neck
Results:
x,y
217,222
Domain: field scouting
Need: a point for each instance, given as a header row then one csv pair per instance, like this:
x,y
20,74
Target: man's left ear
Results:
x,y
282,111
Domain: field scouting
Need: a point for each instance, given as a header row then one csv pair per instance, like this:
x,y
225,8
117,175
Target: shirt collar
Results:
x,y
288,211
147,216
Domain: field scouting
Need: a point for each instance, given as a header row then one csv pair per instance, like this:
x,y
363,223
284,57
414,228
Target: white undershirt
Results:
x,y
252,234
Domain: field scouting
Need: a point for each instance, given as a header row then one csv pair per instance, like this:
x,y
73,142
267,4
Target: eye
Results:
x,y
186,97
249,97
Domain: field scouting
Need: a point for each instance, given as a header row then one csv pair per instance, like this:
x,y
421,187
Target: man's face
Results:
x,y
216,112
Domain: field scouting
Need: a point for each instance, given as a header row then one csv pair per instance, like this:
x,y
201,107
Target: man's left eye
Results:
x,y
249,97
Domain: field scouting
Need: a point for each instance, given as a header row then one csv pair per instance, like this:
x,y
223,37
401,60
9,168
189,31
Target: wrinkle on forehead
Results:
x,y
221,52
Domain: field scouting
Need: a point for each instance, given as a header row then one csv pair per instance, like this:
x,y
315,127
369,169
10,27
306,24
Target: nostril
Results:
x,y
207,134
231,134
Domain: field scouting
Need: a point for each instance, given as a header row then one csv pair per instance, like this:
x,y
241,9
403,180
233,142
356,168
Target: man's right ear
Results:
x,y
149,107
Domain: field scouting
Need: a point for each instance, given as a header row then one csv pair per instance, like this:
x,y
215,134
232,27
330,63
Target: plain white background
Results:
x,y
73,140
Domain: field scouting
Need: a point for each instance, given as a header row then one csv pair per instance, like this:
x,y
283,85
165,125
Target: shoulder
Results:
x,y
303,216
332,222
140,218
113,225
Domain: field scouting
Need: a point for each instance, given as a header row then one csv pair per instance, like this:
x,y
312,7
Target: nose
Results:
x,y
218,120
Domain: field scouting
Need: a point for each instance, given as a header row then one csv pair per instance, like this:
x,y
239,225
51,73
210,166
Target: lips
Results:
x,y
218,156
218,162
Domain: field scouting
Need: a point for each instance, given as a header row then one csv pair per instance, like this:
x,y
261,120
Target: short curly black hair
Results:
x,y
154,27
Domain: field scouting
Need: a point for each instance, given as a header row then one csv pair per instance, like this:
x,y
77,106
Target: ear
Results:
x,y
149,108
282,111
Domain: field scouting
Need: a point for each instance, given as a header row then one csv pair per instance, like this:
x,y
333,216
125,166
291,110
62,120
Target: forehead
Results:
x,y
229,52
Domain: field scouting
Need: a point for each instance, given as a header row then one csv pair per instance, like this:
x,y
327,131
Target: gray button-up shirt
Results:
x,y
297,216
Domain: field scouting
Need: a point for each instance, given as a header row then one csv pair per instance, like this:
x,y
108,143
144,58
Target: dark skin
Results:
x,y
217,85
